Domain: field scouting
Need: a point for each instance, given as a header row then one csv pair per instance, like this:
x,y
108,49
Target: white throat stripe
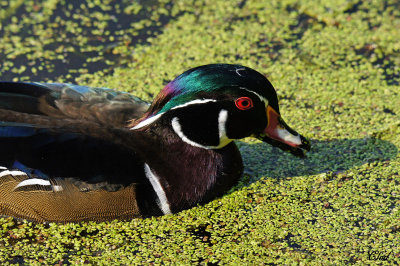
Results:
x,y
223,138
155,182
176,126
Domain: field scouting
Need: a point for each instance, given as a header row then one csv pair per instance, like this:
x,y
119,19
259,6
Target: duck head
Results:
x,y
212,105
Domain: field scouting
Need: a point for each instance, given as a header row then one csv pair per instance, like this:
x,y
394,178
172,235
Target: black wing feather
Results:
x,y
62,154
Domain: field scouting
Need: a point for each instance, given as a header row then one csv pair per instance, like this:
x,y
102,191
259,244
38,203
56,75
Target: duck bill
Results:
x,y
279,134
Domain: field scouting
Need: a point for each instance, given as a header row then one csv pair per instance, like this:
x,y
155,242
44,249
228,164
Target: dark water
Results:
x,y
79,49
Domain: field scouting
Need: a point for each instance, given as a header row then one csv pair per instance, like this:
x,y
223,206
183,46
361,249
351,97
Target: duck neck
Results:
x,y
184,175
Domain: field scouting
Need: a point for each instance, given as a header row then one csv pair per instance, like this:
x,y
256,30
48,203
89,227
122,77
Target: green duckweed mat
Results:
x,y
336,67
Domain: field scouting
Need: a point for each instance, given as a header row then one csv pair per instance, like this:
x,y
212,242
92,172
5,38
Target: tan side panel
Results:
x,y
69,205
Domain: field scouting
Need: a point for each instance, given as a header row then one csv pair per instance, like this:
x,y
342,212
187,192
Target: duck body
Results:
x,y
73,153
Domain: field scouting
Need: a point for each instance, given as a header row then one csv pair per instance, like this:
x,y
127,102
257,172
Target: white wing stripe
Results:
x,y
13,173
32,182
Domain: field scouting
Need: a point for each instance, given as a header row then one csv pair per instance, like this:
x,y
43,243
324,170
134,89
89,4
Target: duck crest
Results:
x,y
205,80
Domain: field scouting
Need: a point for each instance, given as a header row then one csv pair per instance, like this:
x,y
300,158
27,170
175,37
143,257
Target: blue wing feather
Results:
x,y
13,130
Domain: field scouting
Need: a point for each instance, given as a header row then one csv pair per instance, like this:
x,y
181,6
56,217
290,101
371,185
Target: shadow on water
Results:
x,y
68,55
261,159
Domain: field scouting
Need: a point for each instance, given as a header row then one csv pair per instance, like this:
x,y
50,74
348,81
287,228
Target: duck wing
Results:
x,y
69,173
65,154
100,105
71,152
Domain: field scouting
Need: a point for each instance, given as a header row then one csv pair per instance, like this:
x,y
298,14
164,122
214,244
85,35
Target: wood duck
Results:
x,y
73,153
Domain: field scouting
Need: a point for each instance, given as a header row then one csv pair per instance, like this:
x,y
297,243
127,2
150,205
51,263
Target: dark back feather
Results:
x,y
100,105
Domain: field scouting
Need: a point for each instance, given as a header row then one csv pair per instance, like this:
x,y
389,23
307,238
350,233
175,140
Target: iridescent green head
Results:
x,y
212,80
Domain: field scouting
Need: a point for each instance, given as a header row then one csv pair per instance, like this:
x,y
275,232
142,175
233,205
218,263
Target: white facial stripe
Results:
x,y
147,121
289,137
155,182
150,120
197,101
3,168
32,182
176,126
223,138
258,95
239,69
13,173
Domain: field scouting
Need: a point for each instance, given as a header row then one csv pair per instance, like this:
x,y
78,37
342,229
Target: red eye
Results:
x,y
244,103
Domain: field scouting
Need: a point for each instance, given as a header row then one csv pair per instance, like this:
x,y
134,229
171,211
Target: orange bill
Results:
x,y
279,134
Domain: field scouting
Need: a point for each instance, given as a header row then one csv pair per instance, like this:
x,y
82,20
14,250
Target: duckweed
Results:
x,y
336,67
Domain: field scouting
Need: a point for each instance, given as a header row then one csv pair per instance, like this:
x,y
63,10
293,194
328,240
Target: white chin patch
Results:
x,y
289,137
